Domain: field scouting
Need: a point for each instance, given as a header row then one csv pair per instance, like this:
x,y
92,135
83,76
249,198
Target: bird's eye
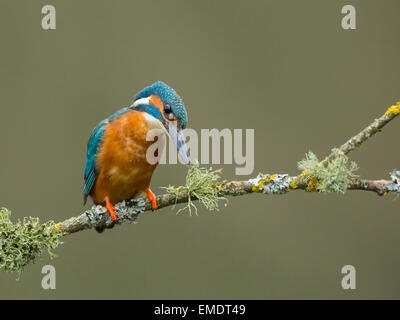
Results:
x,y
167,108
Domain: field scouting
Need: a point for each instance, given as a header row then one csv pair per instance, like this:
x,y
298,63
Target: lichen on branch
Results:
x,y
272,183
395,186
201,184
23,242
393,110
332,176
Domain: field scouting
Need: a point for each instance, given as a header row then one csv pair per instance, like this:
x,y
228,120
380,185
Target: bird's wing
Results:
x,y
91,170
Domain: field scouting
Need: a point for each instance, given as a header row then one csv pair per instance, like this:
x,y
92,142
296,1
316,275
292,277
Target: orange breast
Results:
x,y
124,172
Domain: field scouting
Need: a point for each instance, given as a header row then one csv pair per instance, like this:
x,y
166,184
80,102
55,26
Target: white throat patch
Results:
x,y
141,101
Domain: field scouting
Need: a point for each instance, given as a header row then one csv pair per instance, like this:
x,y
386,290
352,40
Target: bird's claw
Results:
x,y
151,196
111,209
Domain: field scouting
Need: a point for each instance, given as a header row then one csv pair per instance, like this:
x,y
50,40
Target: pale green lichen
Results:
x,y
201,184
23,242
334,176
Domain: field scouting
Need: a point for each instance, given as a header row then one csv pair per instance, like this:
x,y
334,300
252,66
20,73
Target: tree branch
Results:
x,y
127,211
376,126
24,241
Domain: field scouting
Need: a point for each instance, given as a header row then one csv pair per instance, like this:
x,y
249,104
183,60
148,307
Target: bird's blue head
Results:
x,y
163,103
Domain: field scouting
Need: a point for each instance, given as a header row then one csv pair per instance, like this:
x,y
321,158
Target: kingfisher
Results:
x,y
117,165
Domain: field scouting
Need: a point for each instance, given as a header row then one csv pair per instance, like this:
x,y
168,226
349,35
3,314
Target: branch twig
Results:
x,y
368,132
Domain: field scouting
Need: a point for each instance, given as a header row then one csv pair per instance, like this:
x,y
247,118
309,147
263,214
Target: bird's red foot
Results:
x,y
151,196
111,209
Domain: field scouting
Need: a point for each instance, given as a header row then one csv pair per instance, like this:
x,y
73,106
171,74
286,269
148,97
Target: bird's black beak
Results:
x,y
179,139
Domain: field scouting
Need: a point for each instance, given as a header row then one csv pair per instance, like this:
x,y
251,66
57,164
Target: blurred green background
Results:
x,y
285,68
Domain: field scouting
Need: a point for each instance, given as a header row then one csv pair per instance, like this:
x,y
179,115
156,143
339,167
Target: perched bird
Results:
x,y
117,168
